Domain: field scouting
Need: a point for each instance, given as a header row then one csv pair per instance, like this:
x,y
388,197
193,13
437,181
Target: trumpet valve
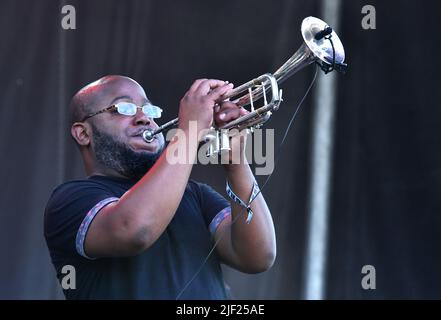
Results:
x,y
213,140
224,141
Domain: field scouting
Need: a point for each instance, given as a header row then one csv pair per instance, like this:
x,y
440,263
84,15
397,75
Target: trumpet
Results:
x,y
321,45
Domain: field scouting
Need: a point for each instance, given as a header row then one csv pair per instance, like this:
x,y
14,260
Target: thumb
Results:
x,y
243,111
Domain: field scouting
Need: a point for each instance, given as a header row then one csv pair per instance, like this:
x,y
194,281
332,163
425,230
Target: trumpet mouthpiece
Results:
x,y
148,135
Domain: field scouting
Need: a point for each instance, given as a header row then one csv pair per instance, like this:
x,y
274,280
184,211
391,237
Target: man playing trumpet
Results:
x,y
137,227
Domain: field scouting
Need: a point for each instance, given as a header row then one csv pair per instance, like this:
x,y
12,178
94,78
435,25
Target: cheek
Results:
x,y
116,129
122,135
122,127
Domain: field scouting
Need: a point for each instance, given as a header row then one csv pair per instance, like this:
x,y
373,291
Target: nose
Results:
x,y
141,119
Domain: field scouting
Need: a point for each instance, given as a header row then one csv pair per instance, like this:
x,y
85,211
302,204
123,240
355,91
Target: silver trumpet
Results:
x,y
321,45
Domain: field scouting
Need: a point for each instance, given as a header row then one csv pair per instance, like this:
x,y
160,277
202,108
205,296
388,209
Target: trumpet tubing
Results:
x,y
321,45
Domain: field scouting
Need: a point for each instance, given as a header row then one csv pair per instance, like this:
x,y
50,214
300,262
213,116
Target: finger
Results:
x,y
218,92
243,111
228,115
224,109
227,105
207,85
195,85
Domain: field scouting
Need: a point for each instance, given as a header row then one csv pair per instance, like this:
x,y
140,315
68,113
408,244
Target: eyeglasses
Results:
x,y
130,109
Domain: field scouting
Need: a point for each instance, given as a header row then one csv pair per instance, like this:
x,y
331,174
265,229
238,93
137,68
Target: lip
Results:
x,y
140,143
141,136
140,133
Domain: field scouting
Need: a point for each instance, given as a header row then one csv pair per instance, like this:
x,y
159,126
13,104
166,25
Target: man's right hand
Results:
x,y
197,104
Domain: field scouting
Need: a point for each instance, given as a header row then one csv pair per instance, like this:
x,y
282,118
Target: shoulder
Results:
x,y
193,185
82,183
199,188
211,203
75,198
204,192
196,185
74,189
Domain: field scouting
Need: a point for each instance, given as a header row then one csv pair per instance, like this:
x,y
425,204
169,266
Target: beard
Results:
x,y
118,156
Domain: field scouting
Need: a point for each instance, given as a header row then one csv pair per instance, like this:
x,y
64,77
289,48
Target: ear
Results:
x,y
81,133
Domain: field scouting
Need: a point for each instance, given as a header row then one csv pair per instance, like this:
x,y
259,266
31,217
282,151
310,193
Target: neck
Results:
x,y
98,170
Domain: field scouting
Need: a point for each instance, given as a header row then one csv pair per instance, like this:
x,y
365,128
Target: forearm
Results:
x,y
148,207
253,244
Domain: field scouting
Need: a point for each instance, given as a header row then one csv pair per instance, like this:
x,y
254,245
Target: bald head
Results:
x,y
98,94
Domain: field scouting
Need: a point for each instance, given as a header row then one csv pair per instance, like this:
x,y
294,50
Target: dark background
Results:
x,y
385,207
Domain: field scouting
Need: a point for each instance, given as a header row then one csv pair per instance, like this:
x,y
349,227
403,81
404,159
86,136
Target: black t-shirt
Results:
x,y
160,272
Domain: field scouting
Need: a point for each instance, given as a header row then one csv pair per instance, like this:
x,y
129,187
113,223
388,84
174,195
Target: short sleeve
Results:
x,y
215,208
69,213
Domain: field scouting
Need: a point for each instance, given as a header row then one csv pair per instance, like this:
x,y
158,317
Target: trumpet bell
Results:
x,y
322,49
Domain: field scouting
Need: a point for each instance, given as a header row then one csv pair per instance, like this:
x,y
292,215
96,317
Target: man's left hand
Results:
x,y
224,114
227,112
